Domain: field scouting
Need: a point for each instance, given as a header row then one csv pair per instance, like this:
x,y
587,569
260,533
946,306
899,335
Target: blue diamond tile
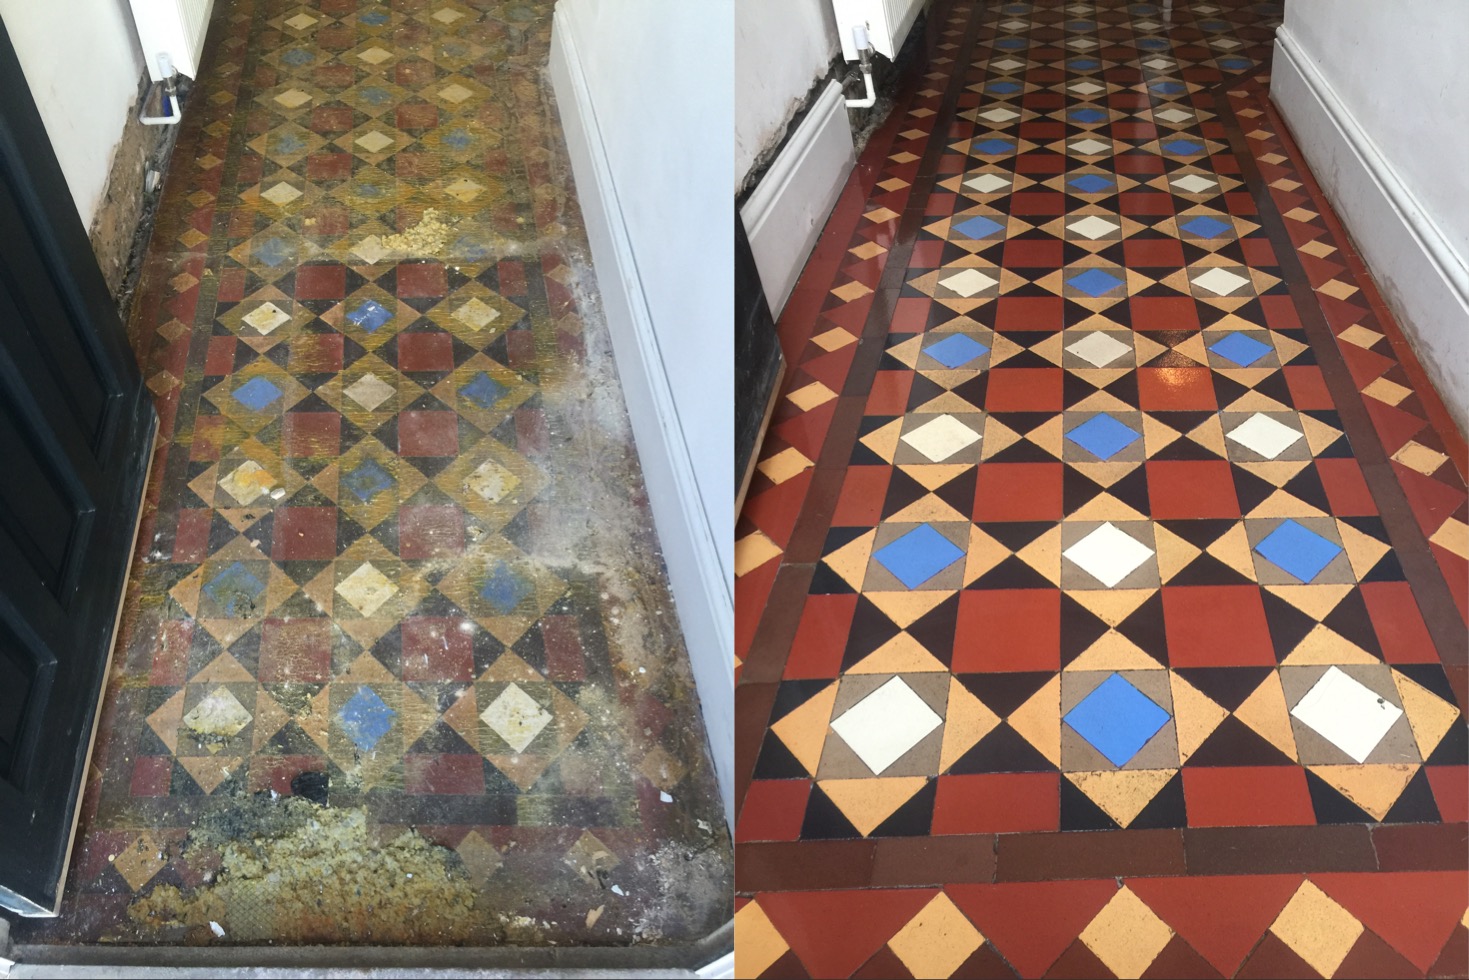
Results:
x,y
1004,88
1298,550
366,718
273,251
297,57
1095,282
1235,64
1242,349
374,18
1167,88
1183,148
235,590
1117,719
370,316
368,480
1090,183
1088,115
956,350
287,143
256,394
1152,43
1103,436
1205,227
504,589
484,390
375,95
1084,64
918,555
1011,43
978,227
992,147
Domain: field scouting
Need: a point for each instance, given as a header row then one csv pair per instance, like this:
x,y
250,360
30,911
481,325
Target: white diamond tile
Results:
x,y
1008,64
369,391
374,142
492,481
247,482
1174,115
366,589
1086,88
1220,282
516,717
941,438
266,317
1108,554
1093,226
987,183
999,115
1090,147
220,713
1099,349
281,194
1347,713
1264,435
886,724
968,282
1194,183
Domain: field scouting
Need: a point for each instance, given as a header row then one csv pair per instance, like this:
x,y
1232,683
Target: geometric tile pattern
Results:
x,y
1163,596
362,574
1321,925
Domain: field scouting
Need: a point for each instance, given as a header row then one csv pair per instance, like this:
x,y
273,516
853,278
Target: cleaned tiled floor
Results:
x,y
1100,597
395,558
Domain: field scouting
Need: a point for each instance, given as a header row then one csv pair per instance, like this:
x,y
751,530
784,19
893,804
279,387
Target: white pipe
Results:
x,y
864,53
168,99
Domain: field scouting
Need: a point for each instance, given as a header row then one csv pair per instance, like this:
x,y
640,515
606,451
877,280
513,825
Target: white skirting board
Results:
x,y
699,582
789,207
1422,278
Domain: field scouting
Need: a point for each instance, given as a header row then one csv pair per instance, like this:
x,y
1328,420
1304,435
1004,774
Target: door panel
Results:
x,y
75,428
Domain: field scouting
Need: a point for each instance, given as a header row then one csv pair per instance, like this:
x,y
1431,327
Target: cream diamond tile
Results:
x,y
941,438
369,391
375,55
1093,227
1261,434
1099,349
987,183
281,194
247,482
266,317
1108,554
219,714
516,717
375,141
883,726
1347,713
366,589
1220,282
492,481
968,282
1194,183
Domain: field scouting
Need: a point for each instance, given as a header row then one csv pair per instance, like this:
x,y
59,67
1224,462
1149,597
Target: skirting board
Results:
x,y
700,584
788,208
1422,278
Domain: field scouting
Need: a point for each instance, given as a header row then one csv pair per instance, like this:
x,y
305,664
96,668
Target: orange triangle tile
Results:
x,y
1220,917
835,932
1032,923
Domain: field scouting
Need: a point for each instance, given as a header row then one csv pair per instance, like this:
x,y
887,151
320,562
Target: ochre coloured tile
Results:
x,y
758,943
1126,935
937,940
1317,928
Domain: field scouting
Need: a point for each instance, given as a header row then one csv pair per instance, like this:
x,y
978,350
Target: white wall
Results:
x,y
1374,95
83,64
781,48
645,90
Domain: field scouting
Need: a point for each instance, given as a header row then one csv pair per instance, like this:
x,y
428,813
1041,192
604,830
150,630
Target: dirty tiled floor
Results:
x,y
398,664
1101,596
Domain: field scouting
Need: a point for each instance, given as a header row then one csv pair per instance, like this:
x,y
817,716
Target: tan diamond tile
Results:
x,y
374,55
1299,214
455,93
375,141
141,860
1453,535
903,157
851,291
1359,335
1387,391
1126,935
784,465
892,184
1284,184
293,98
301,21
1418,457
867,250
1318,248
834,339
811,396
464,190
1336,289
937,940
752,551
881,214
757,942
1317,929
480,858
446,16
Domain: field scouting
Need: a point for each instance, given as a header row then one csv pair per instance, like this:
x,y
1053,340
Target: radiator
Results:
x,y
175,28
887,23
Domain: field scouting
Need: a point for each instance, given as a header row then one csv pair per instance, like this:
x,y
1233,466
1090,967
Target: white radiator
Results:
x,y
887,23
172,27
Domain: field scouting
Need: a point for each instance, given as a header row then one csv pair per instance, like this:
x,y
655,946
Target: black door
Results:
x,y
75,428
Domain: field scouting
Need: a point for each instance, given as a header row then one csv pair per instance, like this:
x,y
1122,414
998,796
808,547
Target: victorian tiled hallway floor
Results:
x,y
398,663
1101,592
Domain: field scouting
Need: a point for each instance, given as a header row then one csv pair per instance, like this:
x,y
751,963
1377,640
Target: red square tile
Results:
x,y
1138,163
428,434
417,116
1258,252
1307,387
436,649
889,393
321,282
304,533
773,809
1018,492
209,434
1140,203
1153,253
311,434
418,279
316,353
299,650
1029,313
910,315
1247,796
1022,253
330,120
999,803
275,772
821,637
443,775
328,166
416,166
1183,489
520,348
1346,489
1450,792
220,357
152,775
561,638
1176,389
1163,313
1006,630
1038,203
191,540
1280,313
1024,390
430,531
1398,623
427,351
863,491
1216,626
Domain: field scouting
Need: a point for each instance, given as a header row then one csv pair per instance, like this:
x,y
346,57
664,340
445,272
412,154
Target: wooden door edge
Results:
x,y
749,473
